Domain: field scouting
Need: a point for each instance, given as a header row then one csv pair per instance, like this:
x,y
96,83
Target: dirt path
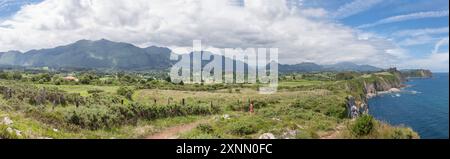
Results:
x,y
172,132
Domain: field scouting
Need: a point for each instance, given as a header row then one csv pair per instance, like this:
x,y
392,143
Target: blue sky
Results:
x,y
9,7
389,8
415,27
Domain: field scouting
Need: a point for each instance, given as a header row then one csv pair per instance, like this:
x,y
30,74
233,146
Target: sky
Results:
x,y
383,33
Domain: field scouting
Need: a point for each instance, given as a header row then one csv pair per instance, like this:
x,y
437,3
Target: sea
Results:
x,y
422,105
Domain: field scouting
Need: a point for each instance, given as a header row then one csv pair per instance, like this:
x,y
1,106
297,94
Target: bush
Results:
x,y
205,128
243,128
328,105
245,106
17,76
97,117
364,125
247,125
93,118
156,112
95,91
126,92
346,76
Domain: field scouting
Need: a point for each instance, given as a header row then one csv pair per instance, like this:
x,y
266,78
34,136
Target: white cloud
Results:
x,y
439,44
417,40
406,17
313,12
301,34
437,61
355,7
421,32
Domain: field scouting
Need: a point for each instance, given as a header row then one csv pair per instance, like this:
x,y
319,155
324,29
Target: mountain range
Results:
x,y
105,54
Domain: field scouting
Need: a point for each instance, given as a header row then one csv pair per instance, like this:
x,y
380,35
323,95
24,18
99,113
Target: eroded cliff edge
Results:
x,y
367,86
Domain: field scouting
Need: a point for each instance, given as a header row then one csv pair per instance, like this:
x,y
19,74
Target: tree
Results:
x,y
4,75
168,79
126,92
345,76
17,76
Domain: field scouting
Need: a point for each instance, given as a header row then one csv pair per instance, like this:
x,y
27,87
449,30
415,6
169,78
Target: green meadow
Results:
x,y
133,107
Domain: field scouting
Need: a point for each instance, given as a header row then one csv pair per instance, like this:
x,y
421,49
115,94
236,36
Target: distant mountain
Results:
x,y
348,66
339,67
109,55
102,54
301,67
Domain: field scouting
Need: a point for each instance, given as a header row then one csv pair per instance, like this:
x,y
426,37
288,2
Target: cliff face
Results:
x,y
372,89
356,108
371,85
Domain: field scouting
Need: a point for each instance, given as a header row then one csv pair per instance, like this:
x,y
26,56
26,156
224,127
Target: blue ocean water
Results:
x,y
423,106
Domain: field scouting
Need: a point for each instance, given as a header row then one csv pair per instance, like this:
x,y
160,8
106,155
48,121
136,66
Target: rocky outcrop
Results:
x,y
374,88
377,84
418,73
267,136
356,108
7,131
6,121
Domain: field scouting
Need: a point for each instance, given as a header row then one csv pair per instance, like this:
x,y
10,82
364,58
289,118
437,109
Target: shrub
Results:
x,y
155,112
126,92
364,125
346,75
93,91
328,105
97,117
247,125
93,118
205,128
245,106
17,76
243,128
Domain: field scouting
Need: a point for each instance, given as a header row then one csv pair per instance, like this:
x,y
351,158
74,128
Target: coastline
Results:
x,y
423,106
390,91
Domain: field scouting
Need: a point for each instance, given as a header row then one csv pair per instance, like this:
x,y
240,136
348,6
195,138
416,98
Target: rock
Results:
x,y
226,116
290,134
276,119
364,109
394,90
15,131
55,130
7,121
267,136
370,95
18,132
356,108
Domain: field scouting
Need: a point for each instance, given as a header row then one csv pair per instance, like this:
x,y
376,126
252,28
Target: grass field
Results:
x,y
81,89
314,109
